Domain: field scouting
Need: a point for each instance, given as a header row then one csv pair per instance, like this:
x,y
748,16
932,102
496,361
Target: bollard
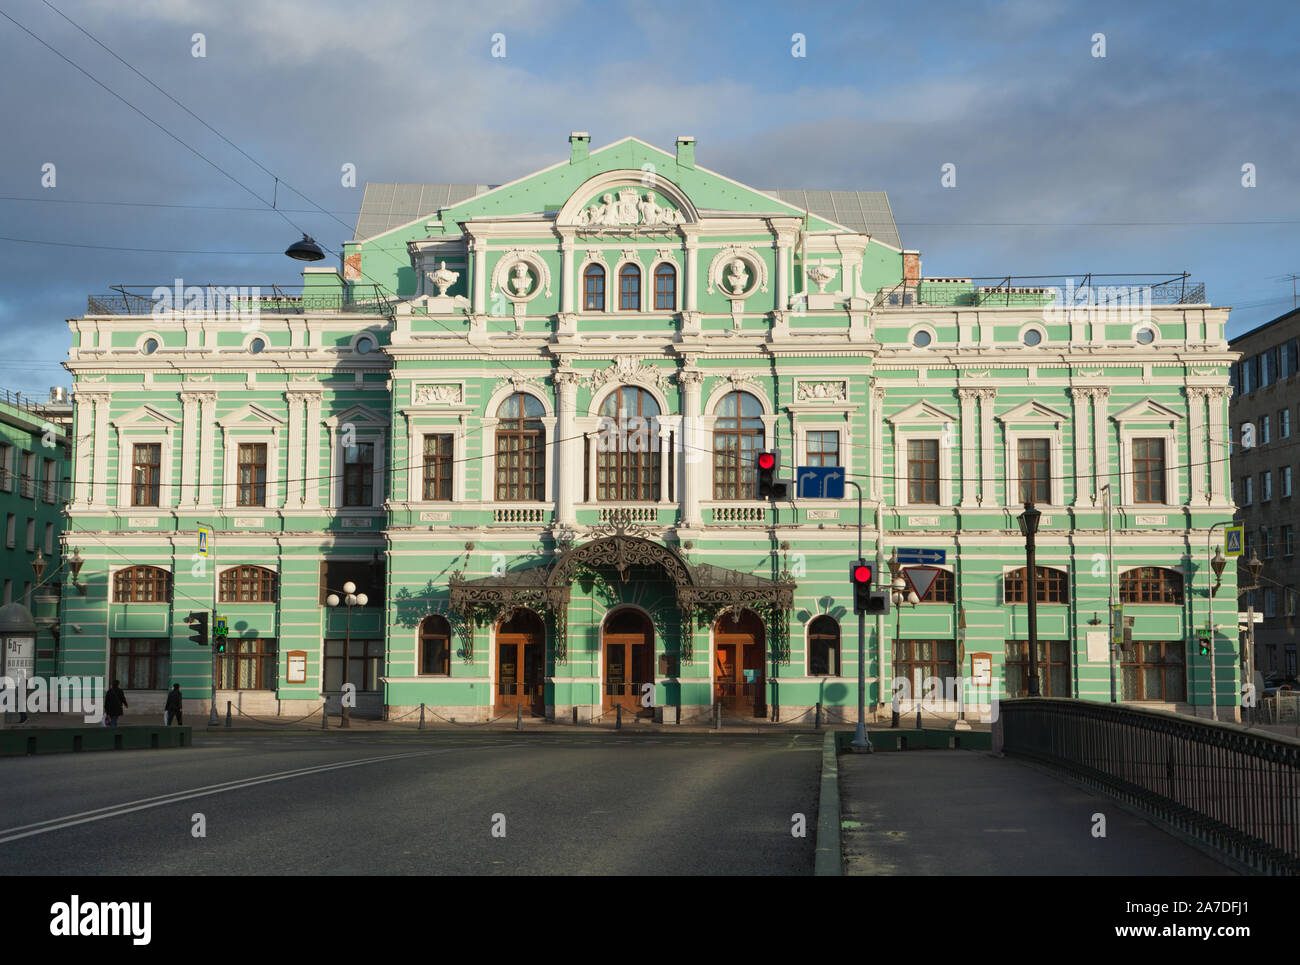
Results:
x,y
817,721
918,715
422,715
678,710
894,714
227,713
575,713
324,716
717,711
519,716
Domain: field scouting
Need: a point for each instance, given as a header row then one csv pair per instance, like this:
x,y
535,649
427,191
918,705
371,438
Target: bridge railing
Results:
x,y
1234,788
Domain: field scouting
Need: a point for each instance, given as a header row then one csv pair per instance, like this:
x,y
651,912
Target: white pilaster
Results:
x,y
968,481
1218,464
1082,432
692,452
207,447
569,447
988,488
1101,439
1196,461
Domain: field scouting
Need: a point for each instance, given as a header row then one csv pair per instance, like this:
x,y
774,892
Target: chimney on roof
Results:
x,y
911,267
579,146
685,151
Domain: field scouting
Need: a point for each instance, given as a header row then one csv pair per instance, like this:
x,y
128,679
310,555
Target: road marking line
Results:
x,y
117,810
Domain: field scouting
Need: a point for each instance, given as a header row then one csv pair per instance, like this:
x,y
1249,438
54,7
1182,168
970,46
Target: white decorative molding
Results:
x,y
630,368
141,521
521,275
923,521
437,393
443,278
442,516
249,521
723,272
835,390
823,514
627,207
820,274
1151,520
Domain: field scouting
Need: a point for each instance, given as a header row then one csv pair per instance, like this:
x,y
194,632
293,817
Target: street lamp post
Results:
x,y
1253,565
1029,528
898,595
350,599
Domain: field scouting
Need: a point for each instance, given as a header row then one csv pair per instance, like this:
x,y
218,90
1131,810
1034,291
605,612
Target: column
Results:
x,y
785,238
567,267
877,422
293,458
100,487
989,491
311,460
189,449
692,452
691,275
85,428
1218,465
207,447
968,480
1196,396
569,447
479,249
1101,443
1081,432
665,438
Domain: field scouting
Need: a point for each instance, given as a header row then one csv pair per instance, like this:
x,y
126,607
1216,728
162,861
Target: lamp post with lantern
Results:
x,y
1029,520
350,598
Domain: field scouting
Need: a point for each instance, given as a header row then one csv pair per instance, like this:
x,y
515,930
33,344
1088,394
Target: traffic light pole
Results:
x,y
860,738
212,640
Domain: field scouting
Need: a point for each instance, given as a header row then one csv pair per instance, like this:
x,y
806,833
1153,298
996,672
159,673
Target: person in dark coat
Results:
x,y
173,706
114,703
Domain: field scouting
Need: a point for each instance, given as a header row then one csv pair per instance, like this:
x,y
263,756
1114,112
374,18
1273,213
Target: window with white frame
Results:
x,y
31,536
1286,482
1284,424
1148,470
1265,486
1265,434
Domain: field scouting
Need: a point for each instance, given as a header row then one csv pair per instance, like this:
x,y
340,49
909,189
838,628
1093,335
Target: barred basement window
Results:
x,y
1053,586
248,584
435,646
1151,584
142,584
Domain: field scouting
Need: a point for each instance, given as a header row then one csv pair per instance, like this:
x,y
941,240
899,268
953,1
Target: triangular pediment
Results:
x,y
1147,410
358,414
145,416
1033,412
922,412
249,416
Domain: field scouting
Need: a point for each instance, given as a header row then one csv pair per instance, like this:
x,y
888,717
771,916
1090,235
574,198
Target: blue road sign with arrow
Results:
x,y
820,482
923,557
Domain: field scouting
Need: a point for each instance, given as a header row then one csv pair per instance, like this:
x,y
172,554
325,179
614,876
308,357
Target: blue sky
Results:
x,y
1066,162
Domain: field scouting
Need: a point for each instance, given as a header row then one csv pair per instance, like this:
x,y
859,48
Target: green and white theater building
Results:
x,y
521,420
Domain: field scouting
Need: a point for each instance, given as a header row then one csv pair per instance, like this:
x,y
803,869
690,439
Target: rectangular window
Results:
x,y
1148,470
142,664
49,538
9,591
915,660
51,493
1035,473
437,467
923,471
1247,490
1286,482
247,665
1288,601
252,474
365,665
146,473
1247,377
1265,431
1289,359
31,536
28,488
11,527
359,474
823,448
1265,486
1284,424
6,473
1266,542
1288,540
1155,670
1270,603
1053,668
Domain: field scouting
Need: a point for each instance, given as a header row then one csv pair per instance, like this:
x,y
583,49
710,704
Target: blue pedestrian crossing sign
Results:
x,y
205,535
1233,537
819,482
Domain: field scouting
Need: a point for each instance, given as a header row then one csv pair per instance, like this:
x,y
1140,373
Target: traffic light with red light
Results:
x,y
769,464
860,575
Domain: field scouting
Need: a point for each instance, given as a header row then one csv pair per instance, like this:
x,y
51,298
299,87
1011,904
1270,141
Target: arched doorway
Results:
x,y
521,664
627,645
739,680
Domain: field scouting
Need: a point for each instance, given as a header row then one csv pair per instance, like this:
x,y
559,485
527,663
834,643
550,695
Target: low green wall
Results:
x,y
58,740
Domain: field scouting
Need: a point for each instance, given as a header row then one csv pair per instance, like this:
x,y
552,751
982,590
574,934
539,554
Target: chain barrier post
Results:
x,y
422,715
519,716
717,710
618,717
324,715
817,724
227,713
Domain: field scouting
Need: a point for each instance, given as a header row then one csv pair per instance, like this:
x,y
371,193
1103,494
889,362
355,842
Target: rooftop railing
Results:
x,y
274,299
1067,291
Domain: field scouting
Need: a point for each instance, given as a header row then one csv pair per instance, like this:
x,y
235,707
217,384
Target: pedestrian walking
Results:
x,y
173,706
114,703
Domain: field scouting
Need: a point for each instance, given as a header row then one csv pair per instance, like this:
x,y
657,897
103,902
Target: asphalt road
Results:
x,y
420,804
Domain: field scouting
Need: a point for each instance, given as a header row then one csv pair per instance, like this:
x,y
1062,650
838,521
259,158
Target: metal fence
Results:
x,y
274,299
1238,790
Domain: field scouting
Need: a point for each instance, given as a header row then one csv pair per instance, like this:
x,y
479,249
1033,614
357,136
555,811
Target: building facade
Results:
x,y
1265,405
522,421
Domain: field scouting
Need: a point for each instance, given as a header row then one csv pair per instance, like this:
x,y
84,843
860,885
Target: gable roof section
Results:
x,y
385,206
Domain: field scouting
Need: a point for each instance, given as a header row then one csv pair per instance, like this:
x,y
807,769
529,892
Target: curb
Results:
x,y
828,860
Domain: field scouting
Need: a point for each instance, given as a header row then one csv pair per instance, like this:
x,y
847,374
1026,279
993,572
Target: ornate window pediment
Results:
x,y
1033,413
1149,411
921,413
251,416
145,417
626,201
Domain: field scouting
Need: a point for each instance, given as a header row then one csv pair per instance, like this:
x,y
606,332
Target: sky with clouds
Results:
x,y
1066,162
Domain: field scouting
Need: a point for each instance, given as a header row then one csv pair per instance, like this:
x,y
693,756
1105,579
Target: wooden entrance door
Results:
x,y
739,677
521,665
628,644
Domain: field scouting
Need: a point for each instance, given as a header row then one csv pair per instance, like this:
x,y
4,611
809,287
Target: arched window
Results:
x,y
435,646
521,450
593,289
248,584
737,436
142,584
1151,584
1053,586
823,648
665,287
627,467
629,288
